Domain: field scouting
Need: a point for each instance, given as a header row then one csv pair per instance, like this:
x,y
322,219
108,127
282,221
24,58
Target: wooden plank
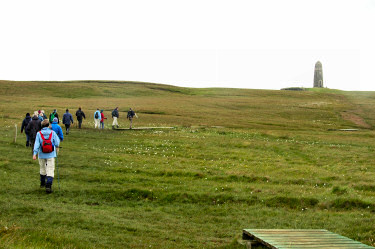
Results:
x,y
291,246
308,241
321,246
301,238
315,242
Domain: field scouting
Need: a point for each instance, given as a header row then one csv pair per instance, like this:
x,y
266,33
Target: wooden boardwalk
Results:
x,y
301,239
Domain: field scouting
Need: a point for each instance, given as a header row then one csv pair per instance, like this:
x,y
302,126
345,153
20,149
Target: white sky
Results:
x,y
264,44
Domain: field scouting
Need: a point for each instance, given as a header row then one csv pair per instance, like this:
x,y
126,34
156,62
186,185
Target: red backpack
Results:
x,y
47,146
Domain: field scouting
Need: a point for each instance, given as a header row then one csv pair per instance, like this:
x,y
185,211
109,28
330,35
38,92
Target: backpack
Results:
x,y
52,116
47,146
131,114
96,115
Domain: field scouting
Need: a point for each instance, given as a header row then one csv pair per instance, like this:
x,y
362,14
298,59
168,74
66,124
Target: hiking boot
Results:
x,y
49,184
42,181
48,188
27,144
113,127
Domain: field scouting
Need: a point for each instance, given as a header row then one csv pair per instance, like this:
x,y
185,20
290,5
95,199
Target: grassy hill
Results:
x,y
237,159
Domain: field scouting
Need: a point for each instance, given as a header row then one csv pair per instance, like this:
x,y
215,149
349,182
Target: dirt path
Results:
x,y
354,118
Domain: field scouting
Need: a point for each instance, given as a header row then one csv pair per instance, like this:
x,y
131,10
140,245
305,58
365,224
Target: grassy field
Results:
x,y
236,159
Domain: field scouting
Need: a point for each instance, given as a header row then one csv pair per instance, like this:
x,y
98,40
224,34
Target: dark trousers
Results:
x,y
79,123
67,126
32,142
27,140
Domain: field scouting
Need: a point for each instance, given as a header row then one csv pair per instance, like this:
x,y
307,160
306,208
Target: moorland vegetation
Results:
x,y
237,158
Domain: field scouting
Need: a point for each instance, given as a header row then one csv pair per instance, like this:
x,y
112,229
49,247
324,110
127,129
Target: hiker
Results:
x,y
102,119
25,122
130,116
43,114
45,146
54,115
32,128
97,118
40,115
80,114
67,120
115,116
57,129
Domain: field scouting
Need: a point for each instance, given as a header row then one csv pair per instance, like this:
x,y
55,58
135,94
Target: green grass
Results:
x,y
236,159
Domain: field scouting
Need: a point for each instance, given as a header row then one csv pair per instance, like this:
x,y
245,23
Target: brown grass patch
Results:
x,y
354,118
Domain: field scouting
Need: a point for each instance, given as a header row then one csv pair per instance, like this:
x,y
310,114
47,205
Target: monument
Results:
x,y
318,75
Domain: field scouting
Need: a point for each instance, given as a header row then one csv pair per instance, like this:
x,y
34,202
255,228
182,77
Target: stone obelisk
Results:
x,y
318,75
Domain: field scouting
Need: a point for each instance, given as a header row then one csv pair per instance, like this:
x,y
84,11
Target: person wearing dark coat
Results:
x,y
130,116
115,116
25,122
80,114
32,129
67,120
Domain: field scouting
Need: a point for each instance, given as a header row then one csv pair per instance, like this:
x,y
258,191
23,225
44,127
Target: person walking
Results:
x,y
115,116
80,114
57,129
102,119
46,142
130,116
67,120
43,114
32,128
97,118
25,122
54,115
40,115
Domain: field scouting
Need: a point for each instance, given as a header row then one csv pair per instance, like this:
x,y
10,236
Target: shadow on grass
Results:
x,y
349,204
94,197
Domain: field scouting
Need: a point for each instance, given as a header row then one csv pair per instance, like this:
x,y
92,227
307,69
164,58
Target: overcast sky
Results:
x,y
268,44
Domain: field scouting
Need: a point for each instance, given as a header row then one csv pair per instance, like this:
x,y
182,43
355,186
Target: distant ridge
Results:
x,y
294,89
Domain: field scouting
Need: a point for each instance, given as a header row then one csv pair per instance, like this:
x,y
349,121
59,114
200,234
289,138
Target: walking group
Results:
x,y
44,135
99,118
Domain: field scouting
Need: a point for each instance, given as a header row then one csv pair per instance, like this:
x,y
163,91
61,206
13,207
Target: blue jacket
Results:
x,y
56,128
99,116
38,143
67,118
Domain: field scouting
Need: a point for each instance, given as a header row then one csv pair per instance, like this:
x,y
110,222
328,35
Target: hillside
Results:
x,y
163,104
237,158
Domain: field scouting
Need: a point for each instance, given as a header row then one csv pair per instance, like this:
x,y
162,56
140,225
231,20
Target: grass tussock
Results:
x,y
292,202
365,187
350,204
